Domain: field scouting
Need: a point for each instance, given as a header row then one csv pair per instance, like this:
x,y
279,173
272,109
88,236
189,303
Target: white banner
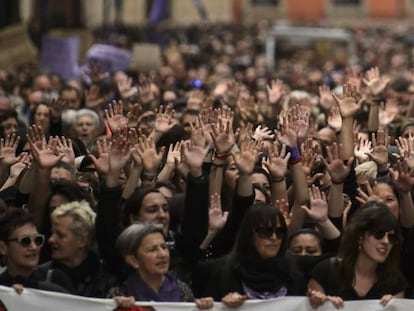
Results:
x,y
36,300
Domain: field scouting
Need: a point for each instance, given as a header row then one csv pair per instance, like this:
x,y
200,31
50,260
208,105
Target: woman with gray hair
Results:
x,y
143,247
86,126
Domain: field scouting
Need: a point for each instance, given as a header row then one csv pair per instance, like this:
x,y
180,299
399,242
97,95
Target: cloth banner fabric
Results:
x,y
36,300
110,58
60,55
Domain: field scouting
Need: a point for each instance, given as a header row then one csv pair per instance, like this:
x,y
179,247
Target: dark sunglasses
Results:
x,y
26,240
267,232
379,235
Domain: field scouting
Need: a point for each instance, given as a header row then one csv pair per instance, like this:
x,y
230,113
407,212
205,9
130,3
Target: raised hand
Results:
x,y
354,77
56,107
216,217
8,148
245,132
406,147
275,91
35,132
262,133
277,163
93,99
164,119
64,146
144,91
367,195
174,154
325,98
114,116
309,155
134,142
335,118
124,86
283,206
388,112
46,156
120,152
318,210
246,159
403,178
223,137
103,147
361,149
300,120
380,149
347,104
133,115
194,154
376,85
95,73
288,133
151,159
335,164
18,167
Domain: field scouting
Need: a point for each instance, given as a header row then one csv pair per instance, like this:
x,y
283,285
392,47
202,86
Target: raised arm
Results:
x,y
277,163
338,172
45,155
223,139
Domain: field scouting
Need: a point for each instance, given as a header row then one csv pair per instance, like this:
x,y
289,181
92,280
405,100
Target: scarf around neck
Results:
x,y
169,291
264,276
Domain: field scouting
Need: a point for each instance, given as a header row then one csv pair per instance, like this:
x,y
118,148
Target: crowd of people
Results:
x,y
213,178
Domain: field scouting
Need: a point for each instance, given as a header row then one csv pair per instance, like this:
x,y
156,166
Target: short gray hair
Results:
x,y
89,113
131,238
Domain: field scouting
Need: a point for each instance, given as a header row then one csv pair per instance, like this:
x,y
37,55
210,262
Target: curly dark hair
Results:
x,y
369,217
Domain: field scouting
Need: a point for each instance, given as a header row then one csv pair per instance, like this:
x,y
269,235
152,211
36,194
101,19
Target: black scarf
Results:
x,y
264,275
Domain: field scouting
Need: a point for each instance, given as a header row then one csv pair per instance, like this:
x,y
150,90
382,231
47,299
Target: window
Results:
x,y
347,2
265,2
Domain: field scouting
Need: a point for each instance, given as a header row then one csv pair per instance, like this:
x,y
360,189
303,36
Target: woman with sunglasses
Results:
x,y
256,268
367,263
20,245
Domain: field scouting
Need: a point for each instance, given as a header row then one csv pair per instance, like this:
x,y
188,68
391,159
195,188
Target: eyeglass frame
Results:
x,y
32,240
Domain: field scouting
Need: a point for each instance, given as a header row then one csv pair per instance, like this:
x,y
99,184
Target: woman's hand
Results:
x,y
317,298
233,300
125,302
204,303
335,164
277,163
386,299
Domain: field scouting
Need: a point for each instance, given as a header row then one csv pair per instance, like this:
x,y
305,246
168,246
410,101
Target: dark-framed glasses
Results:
x,y
267,232
379,235
26,240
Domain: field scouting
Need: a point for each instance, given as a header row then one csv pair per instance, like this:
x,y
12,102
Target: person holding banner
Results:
x,y
367,264
256,268
144,249
20,245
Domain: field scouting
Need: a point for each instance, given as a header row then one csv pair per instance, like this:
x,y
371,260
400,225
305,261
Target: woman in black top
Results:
x,y
367,265
256,268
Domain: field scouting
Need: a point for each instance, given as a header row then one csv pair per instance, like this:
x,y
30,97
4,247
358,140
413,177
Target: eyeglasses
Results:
x,y
379,235
26,240
267,232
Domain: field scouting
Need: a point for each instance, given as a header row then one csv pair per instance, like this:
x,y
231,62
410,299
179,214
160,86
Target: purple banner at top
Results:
x,y
110,58
60,55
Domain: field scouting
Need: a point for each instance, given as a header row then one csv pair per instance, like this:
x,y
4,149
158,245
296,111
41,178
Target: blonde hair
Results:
x,y
367,169
83,218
